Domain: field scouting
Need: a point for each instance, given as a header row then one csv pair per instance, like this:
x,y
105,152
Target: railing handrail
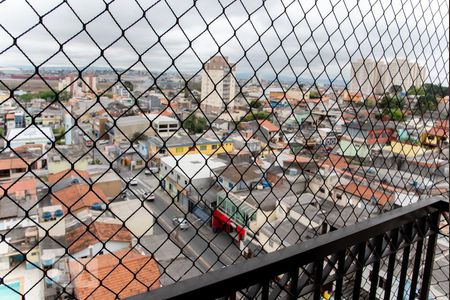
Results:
x,y
218,283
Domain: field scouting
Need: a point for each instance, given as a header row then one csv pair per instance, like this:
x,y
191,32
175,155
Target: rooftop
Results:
x,y
123,274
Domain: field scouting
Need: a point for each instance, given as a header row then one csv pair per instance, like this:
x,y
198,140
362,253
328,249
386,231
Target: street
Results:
x,y
208,250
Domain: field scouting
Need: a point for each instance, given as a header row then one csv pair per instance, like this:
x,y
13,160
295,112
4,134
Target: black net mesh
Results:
x,y
146,142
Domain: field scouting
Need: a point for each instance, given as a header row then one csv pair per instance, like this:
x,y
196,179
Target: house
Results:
x,y
19,244
181,174
270,131
21,160
436,136
241,177
18,198
126,127
87,241
123,274
72,191
62,158
180,145
404,150
364,197
31,135
245,212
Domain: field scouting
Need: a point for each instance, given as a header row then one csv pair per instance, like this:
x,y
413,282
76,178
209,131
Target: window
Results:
x,y
230,185
179,149
213,147
203,147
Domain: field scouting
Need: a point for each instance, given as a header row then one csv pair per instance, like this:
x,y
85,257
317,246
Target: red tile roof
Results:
x,y
52,178
12,163
334,161
365,193
81,237
268,125
24,184
133,274
78,196
440,129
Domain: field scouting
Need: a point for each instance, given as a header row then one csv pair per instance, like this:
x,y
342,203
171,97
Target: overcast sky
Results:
x,y
314,38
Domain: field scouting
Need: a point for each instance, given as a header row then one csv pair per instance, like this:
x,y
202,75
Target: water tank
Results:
x,y
97,206
46,215
48,259
59,213
53,275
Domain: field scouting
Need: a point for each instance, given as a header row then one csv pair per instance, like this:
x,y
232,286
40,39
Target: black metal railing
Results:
x,y
310,116
395,251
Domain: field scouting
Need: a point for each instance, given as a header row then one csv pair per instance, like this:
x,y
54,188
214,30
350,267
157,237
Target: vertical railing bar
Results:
x,y
417,259
359,272
318,267
391,265
340,275
405,262
294,284
376,267
429,259
265,290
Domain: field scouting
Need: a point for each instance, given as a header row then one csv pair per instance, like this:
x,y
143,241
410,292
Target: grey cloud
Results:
x,y
347,21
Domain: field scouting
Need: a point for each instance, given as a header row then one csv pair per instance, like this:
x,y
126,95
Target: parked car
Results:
x,y
133,182
151,170
181,222
149,196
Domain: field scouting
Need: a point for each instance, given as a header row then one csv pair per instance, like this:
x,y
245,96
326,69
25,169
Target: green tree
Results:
x,y
435,90
395,102
314,95
395,89
255,104
425,103
418,91
194,124
64,96
370,103
129,85
138,136
256,116
395,114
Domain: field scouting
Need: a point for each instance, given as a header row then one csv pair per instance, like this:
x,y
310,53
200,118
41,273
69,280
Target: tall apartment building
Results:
x,y
218,85
405,74
375,77
367,76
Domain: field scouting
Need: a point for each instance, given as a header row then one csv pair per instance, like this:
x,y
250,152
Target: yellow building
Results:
x,y
406,150
61,160
180,145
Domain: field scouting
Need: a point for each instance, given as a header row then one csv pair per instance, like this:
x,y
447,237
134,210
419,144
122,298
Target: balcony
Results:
x,y
391,256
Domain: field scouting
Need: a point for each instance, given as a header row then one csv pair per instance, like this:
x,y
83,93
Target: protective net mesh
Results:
x,y
146,142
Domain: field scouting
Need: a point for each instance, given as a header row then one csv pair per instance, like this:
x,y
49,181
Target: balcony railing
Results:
x,y
387,257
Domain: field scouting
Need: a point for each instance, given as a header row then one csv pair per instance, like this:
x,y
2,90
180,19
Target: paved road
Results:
x,y
208,250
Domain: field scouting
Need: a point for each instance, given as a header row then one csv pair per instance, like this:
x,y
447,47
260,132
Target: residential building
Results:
x,y
32,135
123,274
375,77
150,124
97,238
180,174
180,145
355,194
367,76
241,177
219,86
